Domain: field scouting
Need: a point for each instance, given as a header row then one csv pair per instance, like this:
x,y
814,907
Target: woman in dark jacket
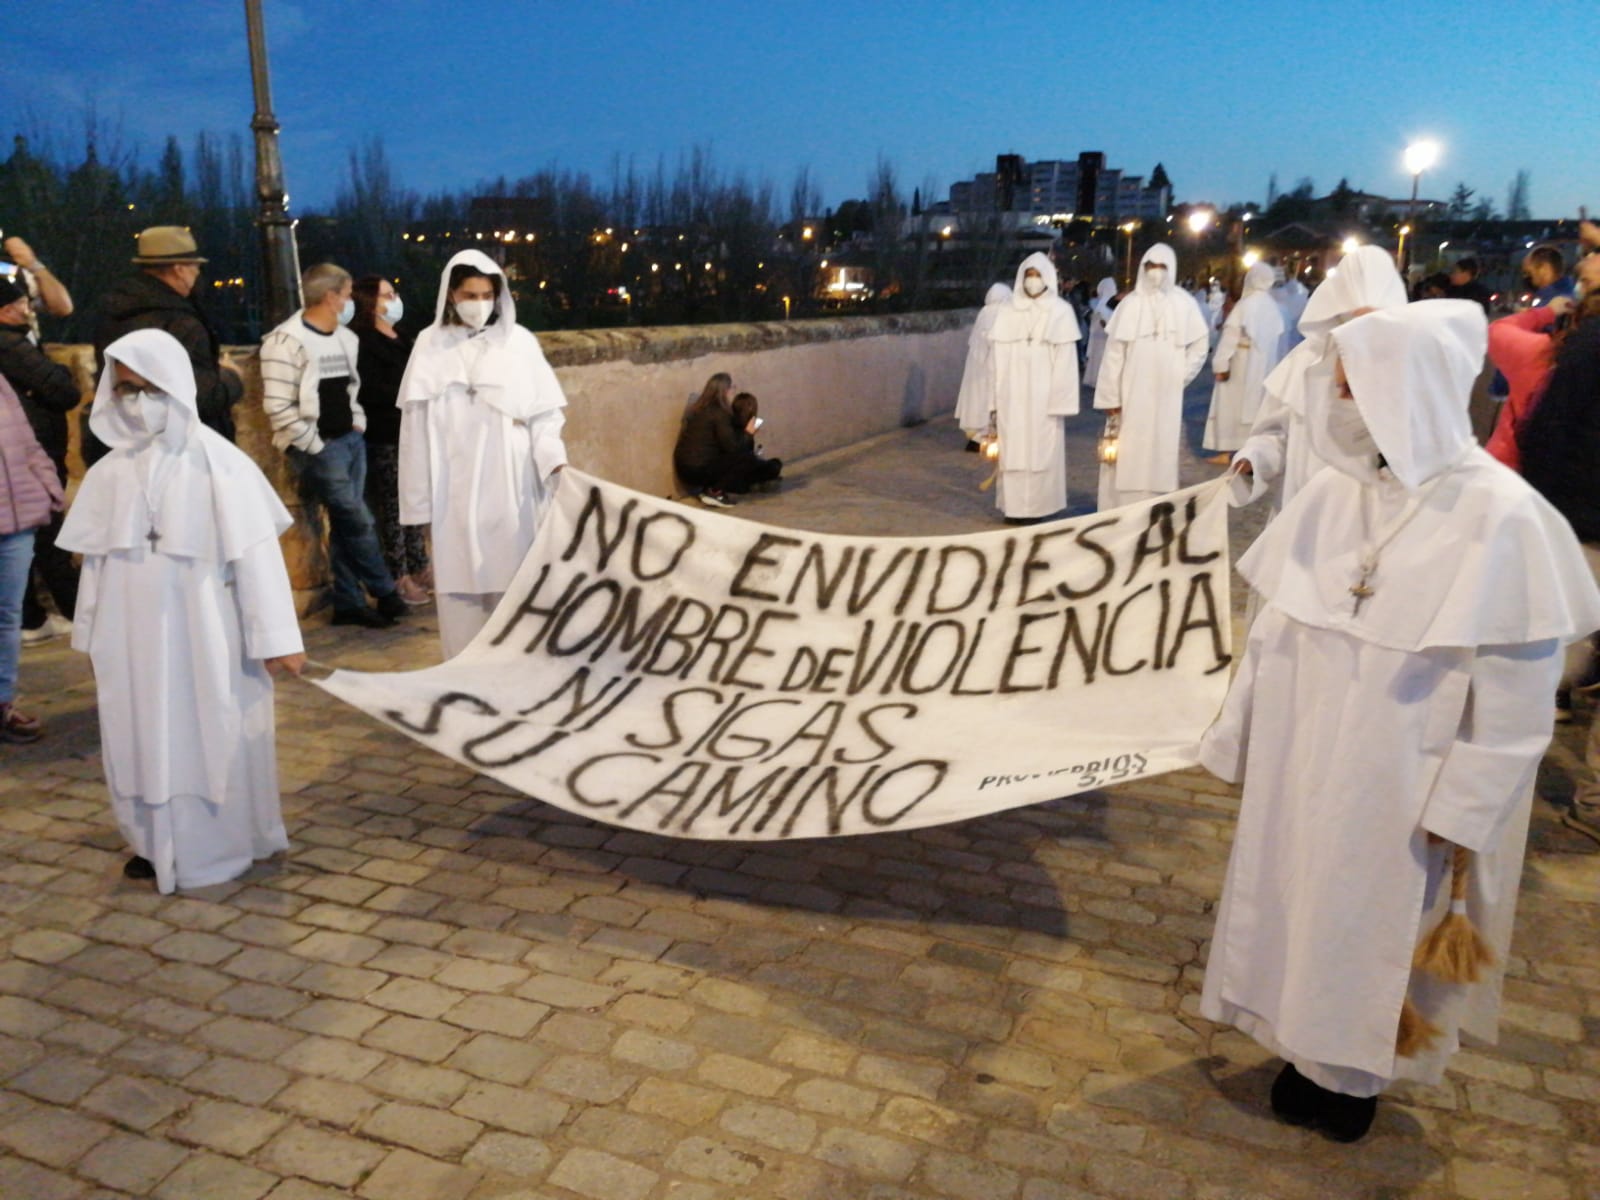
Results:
x,y
714,455
381,365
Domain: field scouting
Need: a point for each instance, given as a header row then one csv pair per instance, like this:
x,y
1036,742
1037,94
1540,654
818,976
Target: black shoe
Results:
x,y
391,606
138,868
973,447
364,617
1346,1118
1294,1097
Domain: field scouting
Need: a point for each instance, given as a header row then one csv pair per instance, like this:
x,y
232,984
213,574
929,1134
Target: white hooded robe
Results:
x,y
480,444
1279,444
1246,352
975,400
1035,372
1099,313
1360,730
177,632
1156,343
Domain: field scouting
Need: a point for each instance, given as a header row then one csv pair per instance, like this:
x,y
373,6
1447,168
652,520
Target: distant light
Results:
x,y
1442,245
824,264
805,234
655,266
1199,220
1249,216
1349,245
1420,156
1251,258
1404,230
624,247
947,231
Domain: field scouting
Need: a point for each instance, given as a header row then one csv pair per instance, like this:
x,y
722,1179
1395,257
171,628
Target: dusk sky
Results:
x,y
1224,94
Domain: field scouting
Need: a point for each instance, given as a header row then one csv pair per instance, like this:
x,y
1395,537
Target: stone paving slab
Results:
x,y
446,990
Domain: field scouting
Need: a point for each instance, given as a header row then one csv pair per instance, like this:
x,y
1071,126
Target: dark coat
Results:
x,y
45,388
1560,442
707,436
142,301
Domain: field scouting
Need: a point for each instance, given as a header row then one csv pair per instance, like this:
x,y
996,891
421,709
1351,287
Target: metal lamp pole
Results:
x,y
280,257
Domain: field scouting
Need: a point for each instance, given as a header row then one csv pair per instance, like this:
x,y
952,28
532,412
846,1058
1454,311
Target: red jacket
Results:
x,y
30,490
1519,345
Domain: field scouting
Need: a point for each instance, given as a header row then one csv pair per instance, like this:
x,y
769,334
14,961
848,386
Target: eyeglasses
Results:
x,y
128,391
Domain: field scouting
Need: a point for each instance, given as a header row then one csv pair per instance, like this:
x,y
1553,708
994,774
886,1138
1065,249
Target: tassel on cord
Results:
x,y
1416,1032
1455,951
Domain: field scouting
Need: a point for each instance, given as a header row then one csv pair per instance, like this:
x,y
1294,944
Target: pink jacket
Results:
x,y
1519,346
30,490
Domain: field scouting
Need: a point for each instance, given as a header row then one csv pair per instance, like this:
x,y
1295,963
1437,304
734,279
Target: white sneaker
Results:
x,y
59,625
33,637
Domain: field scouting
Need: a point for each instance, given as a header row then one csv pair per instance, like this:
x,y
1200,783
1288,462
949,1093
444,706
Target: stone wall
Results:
x,y
822,384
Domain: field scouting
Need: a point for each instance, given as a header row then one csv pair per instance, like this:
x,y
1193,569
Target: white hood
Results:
x,y
198,491
160,358
998,293
502,364
1161,254
1366,278
1258,278
1165,311
1411,371
1104,292
1047,271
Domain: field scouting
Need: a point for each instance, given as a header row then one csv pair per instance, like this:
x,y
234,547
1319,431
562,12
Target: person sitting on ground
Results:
x,y
747,420
709,456
185,611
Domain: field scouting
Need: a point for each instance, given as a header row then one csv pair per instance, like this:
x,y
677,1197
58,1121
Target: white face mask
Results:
x,y
1155,277
393,311
145,412
1348,431
475,313
1035,286
348,311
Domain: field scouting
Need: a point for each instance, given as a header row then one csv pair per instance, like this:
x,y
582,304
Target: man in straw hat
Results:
x,y
160,295
1388,717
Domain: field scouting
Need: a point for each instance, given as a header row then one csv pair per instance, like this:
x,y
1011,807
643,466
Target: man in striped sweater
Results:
x,y
309,388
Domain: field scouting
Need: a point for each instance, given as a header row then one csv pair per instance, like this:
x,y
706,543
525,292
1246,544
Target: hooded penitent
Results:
x,y
480,443
1100,311
1395,685
1156,343
1280,443
1035,370
975,399
1246,351
183,594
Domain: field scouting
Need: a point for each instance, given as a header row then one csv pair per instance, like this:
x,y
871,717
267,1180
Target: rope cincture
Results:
x,y
1454,952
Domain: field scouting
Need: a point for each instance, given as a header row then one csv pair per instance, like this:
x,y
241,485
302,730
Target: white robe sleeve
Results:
x,y
415,466
266,602
1108,384
549,451
1194,357
83,612
1063,401
1504,732
1267,448
1227,343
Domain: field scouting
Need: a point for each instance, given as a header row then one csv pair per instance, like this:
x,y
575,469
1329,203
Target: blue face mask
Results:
x,y
347,312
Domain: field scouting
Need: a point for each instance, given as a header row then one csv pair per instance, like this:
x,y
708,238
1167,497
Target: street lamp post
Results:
x,y
1199,221
280,257
1419,157
1128,228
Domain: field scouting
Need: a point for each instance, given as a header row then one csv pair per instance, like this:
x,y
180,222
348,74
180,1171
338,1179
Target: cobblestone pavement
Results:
x,y
448,991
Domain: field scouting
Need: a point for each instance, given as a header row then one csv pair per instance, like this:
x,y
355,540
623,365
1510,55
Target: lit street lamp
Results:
x,y
1419,157
1128,229
1400,254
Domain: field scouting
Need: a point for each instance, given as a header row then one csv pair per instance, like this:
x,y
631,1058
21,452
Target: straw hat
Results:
x,y
161,244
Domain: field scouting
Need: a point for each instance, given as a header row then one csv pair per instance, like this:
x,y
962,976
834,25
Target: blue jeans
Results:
x,y
336,479
16,554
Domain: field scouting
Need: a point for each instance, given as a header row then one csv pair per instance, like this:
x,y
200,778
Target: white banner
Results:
x,y
668,669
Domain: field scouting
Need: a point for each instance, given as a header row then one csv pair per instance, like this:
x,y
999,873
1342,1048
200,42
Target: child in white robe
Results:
x,y
185,611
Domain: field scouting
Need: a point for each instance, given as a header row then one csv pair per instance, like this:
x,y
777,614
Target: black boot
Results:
x,y
1346,1118
1294,1097
138,868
